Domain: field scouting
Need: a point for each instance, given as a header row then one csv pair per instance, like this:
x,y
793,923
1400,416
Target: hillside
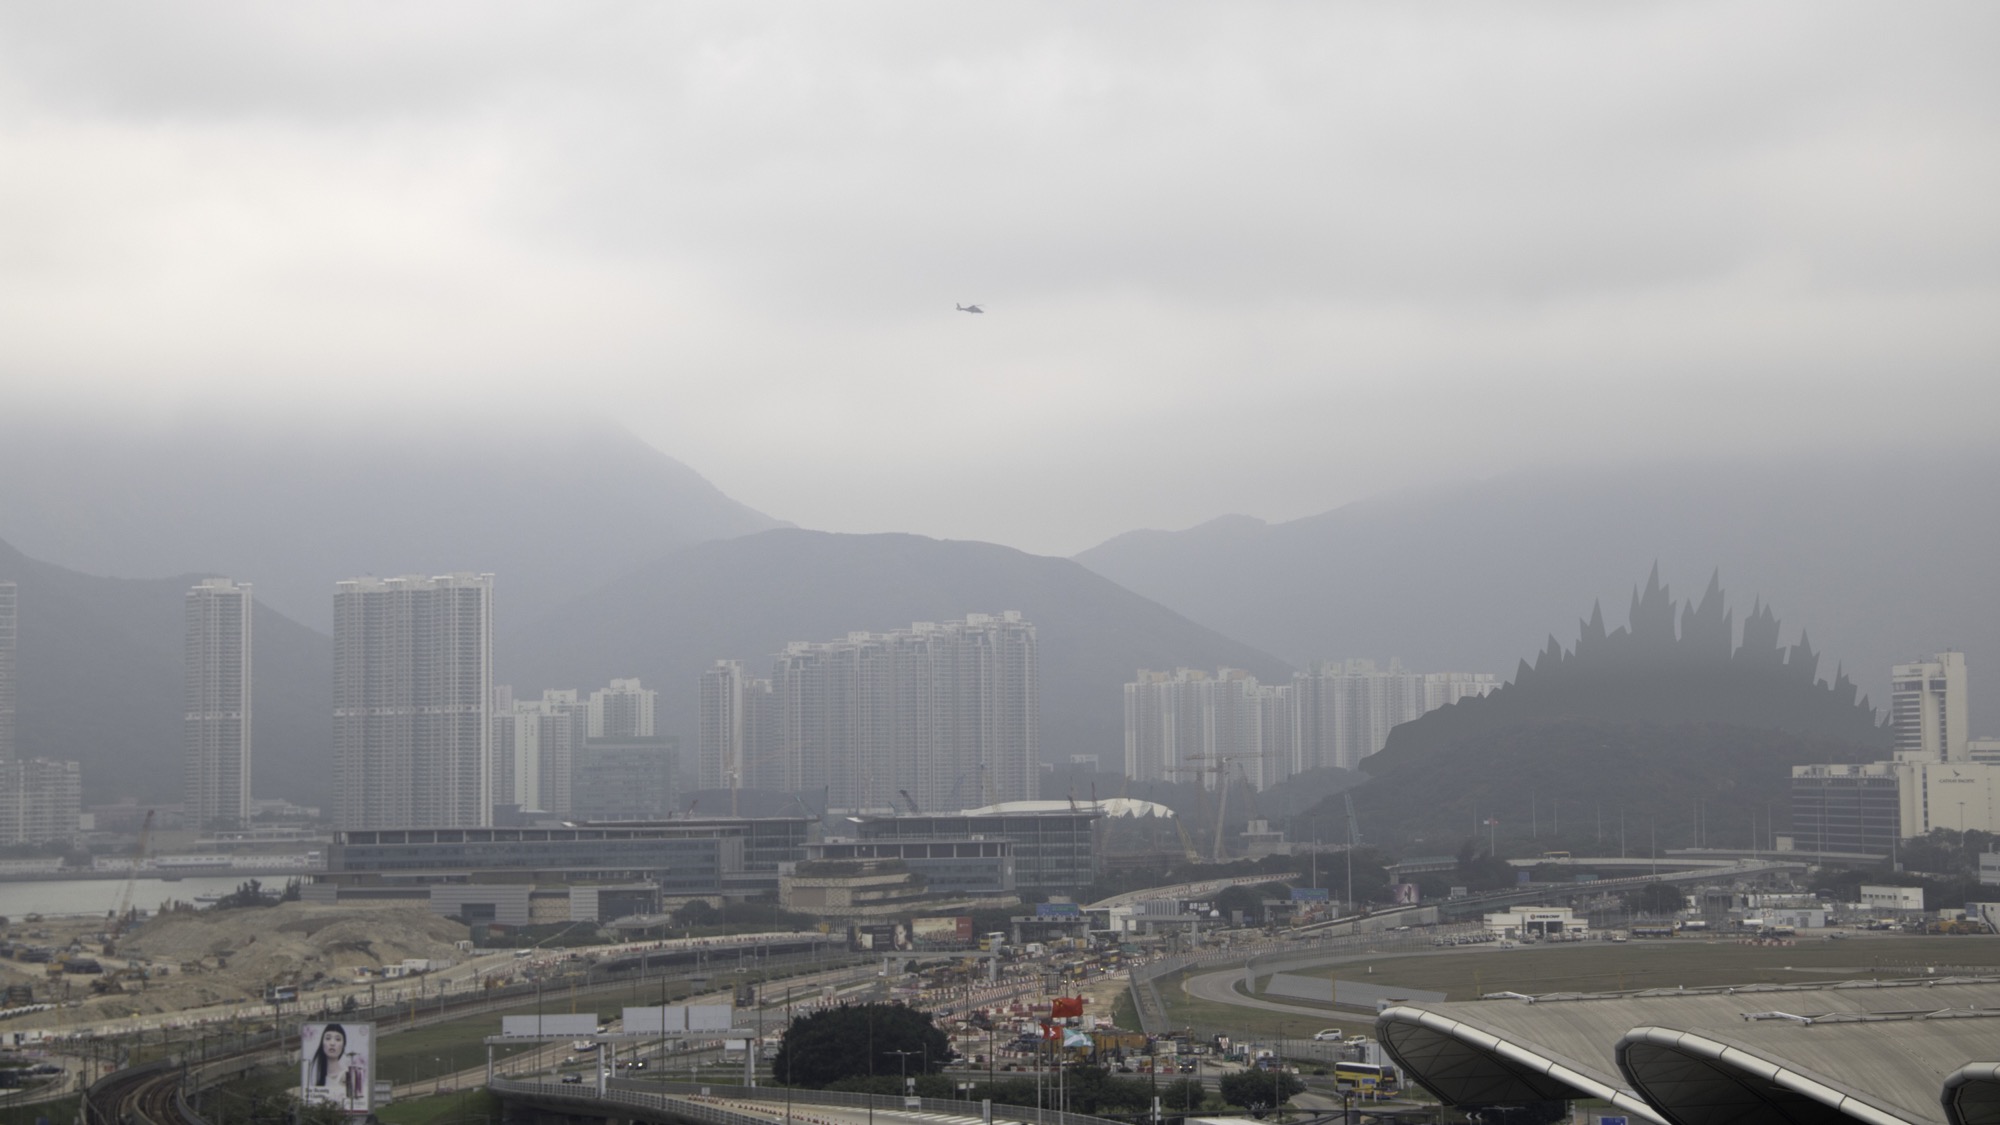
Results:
x,y
1666,719
745,598
551,506
100,669
1877,554
1565,783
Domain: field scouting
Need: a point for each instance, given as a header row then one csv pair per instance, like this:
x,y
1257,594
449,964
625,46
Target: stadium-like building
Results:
x,y
1883,1052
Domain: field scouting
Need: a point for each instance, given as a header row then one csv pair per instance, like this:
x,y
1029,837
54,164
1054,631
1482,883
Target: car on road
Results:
x,y
1327,1035
572,1079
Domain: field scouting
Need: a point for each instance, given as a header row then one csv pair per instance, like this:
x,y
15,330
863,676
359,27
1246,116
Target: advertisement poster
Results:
x,y
334,1064
942,933
884,937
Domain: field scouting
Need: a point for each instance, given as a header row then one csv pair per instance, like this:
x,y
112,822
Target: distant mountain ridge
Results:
x,y
1879,553
1649,671
551,505
100,668
745,598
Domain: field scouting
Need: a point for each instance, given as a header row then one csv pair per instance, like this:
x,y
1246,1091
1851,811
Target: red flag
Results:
x,y
1051,1032
1066,1006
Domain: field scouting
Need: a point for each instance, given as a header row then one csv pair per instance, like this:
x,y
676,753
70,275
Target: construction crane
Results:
x,y
1217,764
122,916
1187,842
914,810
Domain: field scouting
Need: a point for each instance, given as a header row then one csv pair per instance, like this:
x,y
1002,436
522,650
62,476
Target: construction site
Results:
x,y
183,960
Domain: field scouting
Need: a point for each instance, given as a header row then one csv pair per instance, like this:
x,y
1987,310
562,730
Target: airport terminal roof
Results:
x,y
1109,806
1876,1051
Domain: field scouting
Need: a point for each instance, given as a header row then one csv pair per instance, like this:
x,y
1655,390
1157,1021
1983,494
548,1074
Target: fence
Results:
x,y
667,1098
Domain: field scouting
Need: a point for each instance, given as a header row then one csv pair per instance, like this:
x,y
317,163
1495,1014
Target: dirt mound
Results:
x,y
294,942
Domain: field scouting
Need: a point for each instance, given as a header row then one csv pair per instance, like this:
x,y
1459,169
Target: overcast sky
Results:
x,y
1235,257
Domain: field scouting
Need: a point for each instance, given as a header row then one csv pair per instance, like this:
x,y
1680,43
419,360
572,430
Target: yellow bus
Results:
x,y
1375,1077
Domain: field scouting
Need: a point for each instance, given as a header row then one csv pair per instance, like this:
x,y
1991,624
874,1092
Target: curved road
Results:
x,y
1220,987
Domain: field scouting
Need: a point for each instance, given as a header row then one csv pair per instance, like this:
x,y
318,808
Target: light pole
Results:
x,y
903,1059
1278,1072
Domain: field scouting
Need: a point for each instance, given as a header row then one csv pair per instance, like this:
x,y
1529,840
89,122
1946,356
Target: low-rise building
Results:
x,y
1537,922
736,856
1892,898
623,779
1054,842
947,864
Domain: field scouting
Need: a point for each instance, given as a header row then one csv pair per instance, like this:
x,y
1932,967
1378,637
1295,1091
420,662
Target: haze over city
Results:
x,y
1009,555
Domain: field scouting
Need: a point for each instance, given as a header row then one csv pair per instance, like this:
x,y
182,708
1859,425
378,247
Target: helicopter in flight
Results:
x,y
967,308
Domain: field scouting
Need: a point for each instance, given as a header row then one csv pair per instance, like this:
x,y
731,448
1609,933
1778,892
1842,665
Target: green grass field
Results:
x,y
1598,967
467,1107
1689,962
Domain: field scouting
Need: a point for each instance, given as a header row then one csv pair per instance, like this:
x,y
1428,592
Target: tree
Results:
x,y
697,912
1261,1090
246,895
1184,1095
1656,899
855,1040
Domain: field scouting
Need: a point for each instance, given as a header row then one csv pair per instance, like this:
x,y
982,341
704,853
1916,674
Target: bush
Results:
x,y
858,1041
1260,1090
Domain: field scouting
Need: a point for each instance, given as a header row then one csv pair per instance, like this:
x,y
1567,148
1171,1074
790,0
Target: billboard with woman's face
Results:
x,y
334,1061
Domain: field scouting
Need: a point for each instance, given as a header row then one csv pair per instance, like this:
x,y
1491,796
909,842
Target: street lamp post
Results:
x,y
903,1059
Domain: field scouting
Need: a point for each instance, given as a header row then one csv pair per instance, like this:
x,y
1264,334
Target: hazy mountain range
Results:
x,y
553,506
1886,560
613,559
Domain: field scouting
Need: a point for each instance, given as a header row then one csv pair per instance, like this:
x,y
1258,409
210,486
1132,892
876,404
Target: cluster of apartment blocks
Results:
x,y
1335,713
1937,777
947,715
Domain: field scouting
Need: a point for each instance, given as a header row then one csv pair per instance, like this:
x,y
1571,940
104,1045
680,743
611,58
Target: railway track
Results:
x,y
150,1094
147,1095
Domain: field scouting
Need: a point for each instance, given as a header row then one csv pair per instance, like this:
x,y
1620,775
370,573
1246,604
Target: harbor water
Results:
x,y
53,897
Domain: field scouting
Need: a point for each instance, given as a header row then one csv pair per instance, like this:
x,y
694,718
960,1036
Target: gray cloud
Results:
x,y
1254,257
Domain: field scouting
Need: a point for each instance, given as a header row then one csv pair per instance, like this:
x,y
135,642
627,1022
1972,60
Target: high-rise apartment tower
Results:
x,y
9,749
412,699
623,710
738,745
1927,708
217,714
